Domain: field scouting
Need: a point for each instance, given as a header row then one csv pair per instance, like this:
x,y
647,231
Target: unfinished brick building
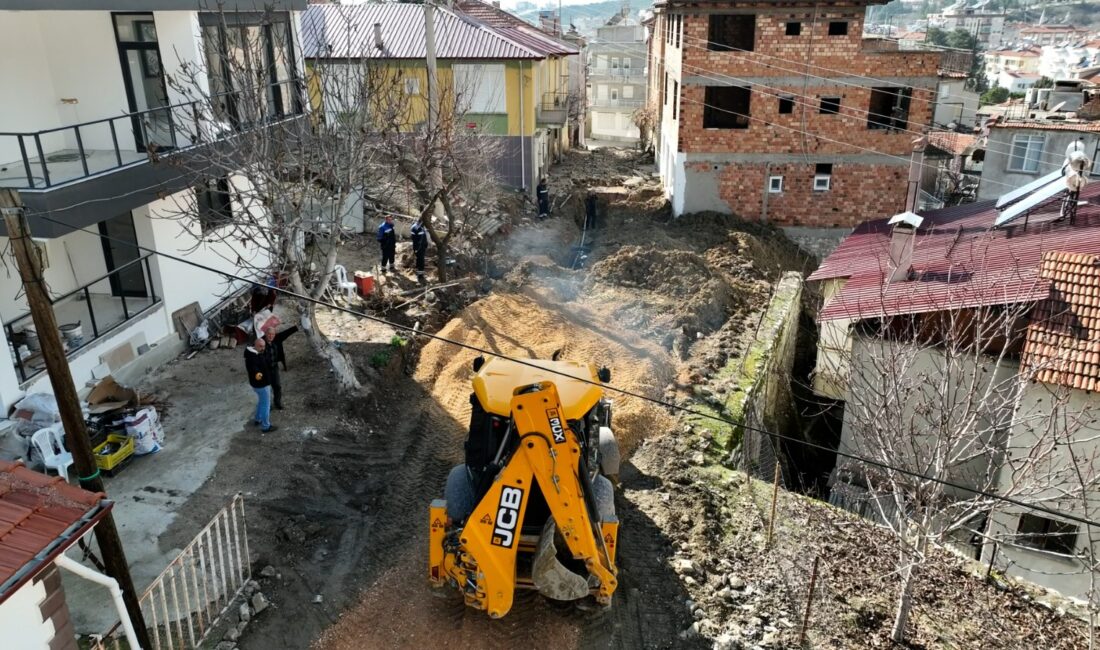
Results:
x,y
764,110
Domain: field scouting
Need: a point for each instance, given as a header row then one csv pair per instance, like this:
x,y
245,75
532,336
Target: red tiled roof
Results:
x,y
1048,125
959,260
1063,337
951,142
40,516
515,28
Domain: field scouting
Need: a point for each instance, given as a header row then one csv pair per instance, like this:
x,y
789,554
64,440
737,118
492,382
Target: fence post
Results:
x,y
809,602
775,497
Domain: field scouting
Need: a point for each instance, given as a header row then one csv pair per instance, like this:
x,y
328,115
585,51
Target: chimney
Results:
x,y
902,239
378,36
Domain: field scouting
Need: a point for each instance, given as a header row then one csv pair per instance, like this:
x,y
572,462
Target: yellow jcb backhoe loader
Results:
x,y
533,506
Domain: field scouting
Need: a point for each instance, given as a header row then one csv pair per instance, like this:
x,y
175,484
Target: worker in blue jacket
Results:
x,y
419,235
542,193
387,238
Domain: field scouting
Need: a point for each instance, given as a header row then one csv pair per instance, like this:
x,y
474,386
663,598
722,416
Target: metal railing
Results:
x,y
554,101
616,73
162,129
20,333
187,601
618,103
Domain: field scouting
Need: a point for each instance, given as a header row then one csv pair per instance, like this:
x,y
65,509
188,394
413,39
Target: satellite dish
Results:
x,y
1075,146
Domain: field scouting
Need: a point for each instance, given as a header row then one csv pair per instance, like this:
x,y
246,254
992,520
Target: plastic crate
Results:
x,y
109,462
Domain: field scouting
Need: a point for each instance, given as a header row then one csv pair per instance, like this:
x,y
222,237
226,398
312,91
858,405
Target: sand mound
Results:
x,y
522,326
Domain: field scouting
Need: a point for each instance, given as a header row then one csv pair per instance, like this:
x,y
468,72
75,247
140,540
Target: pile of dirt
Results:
x,y
531,327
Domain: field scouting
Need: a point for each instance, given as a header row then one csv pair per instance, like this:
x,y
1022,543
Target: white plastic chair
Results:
x,y
340,278
51,445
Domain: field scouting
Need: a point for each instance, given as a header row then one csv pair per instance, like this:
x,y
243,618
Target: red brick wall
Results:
x,y
858,192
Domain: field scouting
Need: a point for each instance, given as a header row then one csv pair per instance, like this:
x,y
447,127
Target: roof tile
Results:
x,y
35,510
1063,337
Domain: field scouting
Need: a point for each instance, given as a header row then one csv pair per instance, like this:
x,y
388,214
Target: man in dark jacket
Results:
x,y
542,193
420,247
258,365
387,238
276,356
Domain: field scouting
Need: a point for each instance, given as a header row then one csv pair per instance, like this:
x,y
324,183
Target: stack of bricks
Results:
x,y
870,166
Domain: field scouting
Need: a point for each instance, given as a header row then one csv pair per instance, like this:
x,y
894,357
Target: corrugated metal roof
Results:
x,y
515,28
35,512
347,31
959,260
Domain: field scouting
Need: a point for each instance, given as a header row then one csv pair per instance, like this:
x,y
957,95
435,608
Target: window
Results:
x,y
242,49
480,87
726,107
412,86
775,184
665,91
732,32
626,63
614,63
1047,534
679,30
786,105
628,92
823,177
614,93
1026,150
838,28
794,29
889,108
214,203
675,99
829,106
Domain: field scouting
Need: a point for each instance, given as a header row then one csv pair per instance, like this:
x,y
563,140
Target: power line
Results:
x,y
622,391
785,93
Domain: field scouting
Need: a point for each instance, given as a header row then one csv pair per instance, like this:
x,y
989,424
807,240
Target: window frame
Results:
x,y
1047,535
831,110
772,188
786,101
796,24
833,25
211,214
1031,139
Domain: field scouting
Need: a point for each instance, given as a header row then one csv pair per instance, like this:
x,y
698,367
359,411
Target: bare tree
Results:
x,y
445,163
273,183
645,118
949,424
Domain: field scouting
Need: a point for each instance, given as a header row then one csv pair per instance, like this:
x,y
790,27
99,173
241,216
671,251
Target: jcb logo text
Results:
x,y
504,531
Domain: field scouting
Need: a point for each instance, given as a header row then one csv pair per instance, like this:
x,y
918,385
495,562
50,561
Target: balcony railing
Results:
x,y
64,154
617,73
554,108
95,309
618,103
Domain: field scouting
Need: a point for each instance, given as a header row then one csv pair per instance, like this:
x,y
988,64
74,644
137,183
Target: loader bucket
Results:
x,y
551,578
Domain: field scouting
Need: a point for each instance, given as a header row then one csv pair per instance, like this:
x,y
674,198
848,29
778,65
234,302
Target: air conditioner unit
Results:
x,y
822,182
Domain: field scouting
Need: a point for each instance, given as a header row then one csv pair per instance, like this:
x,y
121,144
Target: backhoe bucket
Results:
x,y
551,578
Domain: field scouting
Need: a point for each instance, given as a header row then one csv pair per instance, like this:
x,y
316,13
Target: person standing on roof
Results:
x,y
257,363
420,247
387,239
542,193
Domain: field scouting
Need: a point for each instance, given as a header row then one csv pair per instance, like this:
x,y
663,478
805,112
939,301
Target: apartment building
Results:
x,y
986,25
741,129
617,77
92,141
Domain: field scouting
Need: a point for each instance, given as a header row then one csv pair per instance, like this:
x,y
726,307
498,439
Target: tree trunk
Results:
x,y
342,369
905,594
441,261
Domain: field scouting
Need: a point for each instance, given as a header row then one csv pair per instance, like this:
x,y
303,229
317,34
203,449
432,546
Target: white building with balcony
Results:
x,y
616,79
91,132
985,25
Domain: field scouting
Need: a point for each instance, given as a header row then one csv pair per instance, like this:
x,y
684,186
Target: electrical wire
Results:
x,y
1055,159
621,391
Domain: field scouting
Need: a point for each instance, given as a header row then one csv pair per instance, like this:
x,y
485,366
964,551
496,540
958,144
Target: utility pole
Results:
x,y
68,404
434,122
